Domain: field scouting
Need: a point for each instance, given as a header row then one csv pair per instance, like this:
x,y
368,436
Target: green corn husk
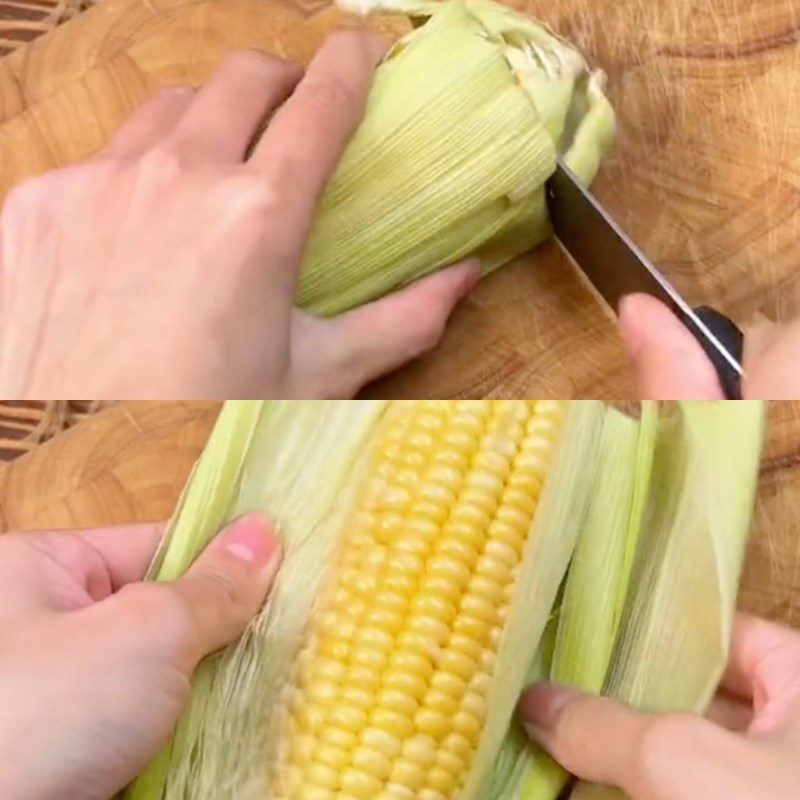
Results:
x,y
598,579
302,464
679,619
462,129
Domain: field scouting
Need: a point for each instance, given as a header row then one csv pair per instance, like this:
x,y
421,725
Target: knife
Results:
x,y
616,267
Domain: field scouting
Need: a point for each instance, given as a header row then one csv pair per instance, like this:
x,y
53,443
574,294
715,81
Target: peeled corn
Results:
x,y
425,544
392,695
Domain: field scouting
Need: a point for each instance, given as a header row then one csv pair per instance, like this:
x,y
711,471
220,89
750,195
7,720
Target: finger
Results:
x,y
669,362
564,722
126,550
52,571
605,742
361,345
226,114
226,586
730,712
759,335
305,140
753,640
151,123
770,362
763,669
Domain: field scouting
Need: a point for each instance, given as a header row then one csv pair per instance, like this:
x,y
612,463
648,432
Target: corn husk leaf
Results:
x,y
679,617
589,608
559,517
598,579
292,460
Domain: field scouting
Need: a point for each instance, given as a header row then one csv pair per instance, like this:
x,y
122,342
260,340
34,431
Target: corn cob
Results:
x,y
425,544
393,686
466,117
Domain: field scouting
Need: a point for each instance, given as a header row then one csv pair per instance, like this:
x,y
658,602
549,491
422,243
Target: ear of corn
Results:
x,y
462,129
425,544
438,501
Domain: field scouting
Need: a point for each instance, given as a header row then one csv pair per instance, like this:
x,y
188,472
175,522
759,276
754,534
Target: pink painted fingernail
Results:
x,y
252,539
471,279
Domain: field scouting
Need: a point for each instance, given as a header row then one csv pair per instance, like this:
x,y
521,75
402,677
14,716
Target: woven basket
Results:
x,y
21,21
24,425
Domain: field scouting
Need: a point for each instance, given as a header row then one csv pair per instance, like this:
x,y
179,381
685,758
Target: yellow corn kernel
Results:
x,y
432,723
408,774
397,701
349,718
311,791
331,755
459,746
442,781
421,750
372,761
338,737
323,775
382,741
360,784
392,721
427,793
449,761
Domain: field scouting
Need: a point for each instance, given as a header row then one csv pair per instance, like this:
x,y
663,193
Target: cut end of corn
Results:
x,y
393,685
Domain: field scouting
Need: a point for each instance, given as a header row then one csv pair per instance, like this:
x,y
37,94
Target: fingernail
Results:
x,y
380,43
376,42
251,538
541,707
471,279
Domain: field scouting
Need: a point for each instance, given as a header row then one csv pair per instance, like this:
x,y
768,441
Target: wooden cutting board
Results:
x,y
130,462
706,173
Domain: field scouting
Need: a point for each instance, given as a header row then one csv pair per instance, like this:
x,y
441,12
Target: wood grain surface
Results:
x,y
705,175
129,463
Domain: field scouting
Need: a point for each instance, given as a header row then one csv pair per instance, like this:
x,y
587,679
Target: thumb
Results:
x,y
226,586
361,345
669,362
603,741
212,604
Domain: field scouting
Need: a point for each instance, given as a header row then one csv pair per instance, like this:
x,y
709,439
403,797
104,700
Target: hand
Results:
x,y
671,365
748,748
94,666
165,267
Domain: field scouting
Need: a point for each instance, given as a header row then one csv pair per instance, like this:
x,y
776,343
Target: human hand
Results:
x,y
748,747
165,267
671,365
94,666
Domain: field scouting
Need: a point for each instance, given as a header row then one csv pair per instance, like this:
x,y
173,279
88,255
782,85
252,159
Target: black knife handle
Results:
x,y
731,337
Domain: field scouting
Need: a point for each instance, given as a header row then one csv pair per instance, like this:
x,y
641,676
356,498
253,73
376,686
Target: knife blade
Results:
x,y
616,266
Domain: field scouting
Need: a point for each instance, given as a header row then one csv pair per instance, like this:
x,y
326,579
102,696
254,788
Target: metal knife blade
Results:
x,y
611,260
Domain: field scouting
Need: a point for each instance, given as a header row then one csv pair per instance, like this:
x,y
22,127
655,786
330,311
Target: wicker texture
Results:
x,y
24,425
24,20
